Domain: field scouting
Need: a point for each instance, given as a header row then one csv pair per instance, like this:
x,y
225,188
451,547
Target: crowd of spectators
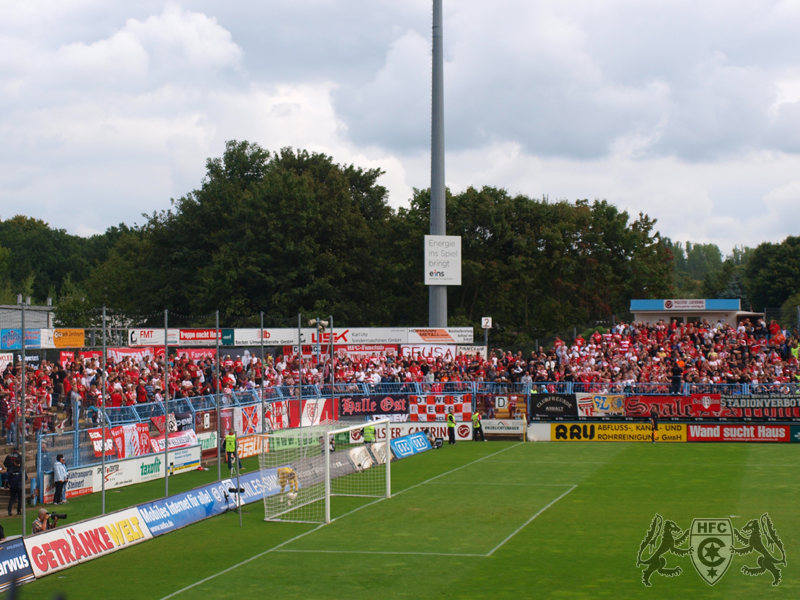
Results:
x,y
669,353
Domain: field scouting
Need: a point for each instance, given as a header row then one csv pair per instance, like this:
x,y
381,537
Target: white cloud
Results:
x,y
687,111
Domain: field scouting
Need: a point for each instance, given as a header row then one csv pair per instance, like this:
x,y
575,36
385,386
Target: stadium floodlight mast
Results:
x,y
24,376
166,403
103,422
437,299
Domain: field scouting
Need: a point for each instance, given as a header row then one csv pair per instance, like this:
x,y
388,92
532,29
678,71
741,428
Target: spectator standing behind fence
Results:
x,y
677,376
60,476
13,464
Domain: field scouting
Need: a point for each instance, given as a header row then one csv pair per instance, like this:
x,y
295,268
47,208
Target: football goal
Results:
x,y
302,468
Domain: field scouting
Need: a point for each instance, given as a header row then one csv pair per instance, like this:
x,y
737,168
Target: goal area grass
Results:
x,y
475,520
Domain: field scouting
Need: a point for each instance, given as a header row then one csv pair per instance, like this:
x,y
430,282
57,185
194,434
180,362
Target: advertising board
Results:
x,y
408,445
503,426
707,432
145,468
152,337
616,432
14,563
396,430
68,338
52,551
442,256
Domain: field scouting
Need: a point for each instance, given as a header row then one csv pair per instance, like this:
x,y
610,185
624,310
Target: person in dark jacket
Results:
x,y
13,465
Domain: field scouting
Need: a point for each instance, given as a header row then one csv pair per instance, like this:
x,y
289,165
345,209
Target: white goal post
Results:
x,y
302,468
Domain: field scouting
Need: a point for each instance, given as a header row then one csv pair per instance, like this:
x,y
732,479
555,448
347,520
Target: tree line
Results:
x,y
293,231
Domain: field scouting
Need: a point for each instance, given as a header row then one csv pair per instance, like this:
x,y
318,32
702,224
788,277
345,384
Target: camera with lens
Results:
x,y
56,516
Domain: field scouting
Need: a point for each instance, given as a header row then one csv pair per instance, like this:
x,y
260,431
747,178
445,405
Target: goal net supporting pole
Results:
x,y
327,439
388,461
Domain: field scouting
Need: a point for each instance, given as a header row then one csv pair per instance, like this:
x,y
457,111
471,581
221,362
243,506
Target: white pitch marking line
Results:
x,y
273,549
521,527
385,552
476,483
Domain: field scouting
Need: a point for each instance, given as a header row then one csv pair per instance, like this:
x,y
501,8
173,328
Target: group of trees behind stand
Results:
x,y
293,231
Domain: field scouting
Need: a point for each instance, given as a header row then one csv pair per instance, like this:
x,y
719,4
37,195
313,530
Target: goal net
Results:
x,y
302,468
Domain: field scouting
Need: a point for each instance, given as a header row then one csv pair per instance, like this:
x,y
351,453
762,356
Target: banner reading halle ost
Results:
x,y
359,405
61,548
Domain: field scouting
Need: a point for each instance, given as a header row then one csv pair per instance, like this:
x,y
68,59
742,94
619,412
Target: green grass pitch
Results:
x,y
493,520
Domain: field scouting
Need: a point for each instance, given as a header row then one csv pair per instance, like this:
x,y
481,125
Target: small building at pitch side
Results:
x,y
689,310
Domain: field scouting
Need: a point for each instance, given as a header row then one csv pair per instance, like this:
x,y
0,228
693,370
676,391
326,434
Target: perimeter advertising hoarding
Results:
x,y
152,337
503,426
396,430
408,445
553,405
616,432
61,548
738,433
14,563
163,516
443,335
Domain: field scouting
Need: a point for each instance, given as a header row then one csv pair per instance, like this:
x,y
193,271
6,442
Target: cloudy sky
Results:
x,y
688,111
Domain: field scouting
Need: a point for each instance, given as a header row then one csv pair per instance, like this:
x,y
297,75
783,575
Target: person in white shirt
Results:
x,y
60,476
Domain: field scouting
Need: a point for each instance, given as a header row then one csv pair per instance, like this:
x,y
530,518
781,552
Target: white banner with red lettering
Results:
x,y
177,439
429,352
396,430
435,408
68,545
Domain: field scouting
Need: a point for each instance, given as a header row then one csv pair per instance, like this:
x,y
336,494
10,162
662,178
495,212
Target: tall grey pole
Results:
x,y
103,422
24,377
216,393
300,365
166,403
333,367
437,302
263,380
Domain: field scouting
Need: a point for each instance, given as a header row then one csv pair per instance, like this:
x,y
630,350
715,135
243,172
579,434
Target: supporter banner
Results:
x,y
158,423
503,426
184,421
429,352
762,405
135,354
435,408
272,337
90,355
472,350
178,439
11,339
738,433
247,420
14,563
64,359
278,415
317,411
196,354
69,338
694,406
96,437
359,405
601,405
553,405
359,351
448,335
408,445
61,548
5,360
163,516
616,432
152,337
396,430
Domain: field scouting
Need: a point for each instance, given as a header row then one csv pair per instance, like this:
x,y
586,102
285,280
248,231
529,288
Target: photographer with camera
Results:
x,y
46,521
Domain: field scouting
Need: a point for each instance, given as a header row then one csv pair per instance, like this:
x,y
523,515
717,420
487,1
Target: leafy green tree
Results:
x,y
772,272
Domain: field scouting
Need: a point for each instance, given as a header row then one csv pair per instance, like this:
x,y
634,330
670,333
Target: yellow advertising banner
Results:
x,y
68,338
616,432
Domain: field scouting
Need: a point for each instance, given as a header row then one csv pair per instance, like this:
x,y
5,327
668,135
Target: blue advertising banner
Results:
x,y
163,516
409,445
14,563
11,339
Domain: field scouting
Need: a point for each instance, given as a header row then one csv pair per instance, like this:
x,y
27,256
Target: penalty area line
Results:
x,y
381,552
529,521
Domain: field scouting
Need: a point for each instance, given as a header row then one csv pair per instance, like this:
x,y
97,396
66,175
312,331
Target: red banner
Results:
x,y
96,437
197,354
707,432
65,358
696,405
435,408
